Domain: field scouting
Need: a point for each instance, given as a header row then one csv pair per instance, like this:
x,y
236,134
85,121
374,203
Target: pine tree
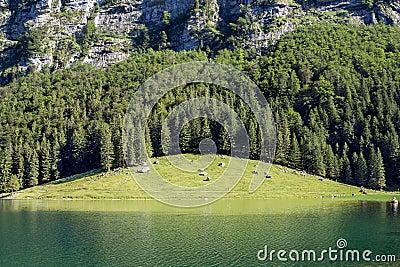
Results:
x,y
31,166
224,142
78,145
196,137
14,183
18,160
55,156
44,161
254,144
381,171
294,82
377,178
55,161
59,157
390,148
149,144
295,154
106,148
361,170
166,18
345,170
283,139
185,137
353,163
313,160
318,167
345,149
331,163
166,142
5,167
205,128
319,161
117,142
370,164
163,40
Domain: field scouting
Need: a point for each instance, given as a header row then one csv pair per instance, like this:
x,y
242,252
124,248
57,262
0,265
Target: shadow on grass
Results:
x,y
76,177
5,195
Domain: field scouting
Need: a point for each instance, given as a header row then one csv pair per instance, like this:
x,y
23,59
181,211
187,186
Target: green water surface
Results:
x,y
226,233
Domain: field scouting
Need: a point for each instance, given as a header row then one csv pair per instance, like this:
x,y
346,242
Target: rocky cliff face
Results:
x,y
38,34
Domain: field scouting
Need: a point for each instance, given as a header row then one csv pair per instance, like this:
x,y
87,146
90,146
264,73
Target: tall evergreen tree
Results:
x,y
117,143
31,166
167,140
361,170
185,137
377,178
106,148
295,154
283,138
5,167
254,140
353,163
55,163
14,183
331,163
149,143
312,156
44,161
78,149
345,170
18,159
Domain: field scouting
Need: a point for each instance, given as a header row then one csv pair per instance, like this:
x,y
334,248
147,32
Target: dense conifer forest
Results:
x,y
333,89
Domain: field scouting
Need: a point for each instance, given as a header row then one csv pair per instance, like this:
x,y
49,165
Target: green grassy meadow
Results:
x,y
120,184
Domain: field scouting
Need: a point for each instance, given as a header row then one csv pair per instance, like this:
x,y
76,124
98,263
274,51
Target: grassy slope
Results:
x,y
121,185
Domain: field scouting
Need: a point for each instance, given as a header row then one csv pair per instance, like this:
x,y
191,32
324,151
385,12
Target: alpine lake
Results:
x,y
225,233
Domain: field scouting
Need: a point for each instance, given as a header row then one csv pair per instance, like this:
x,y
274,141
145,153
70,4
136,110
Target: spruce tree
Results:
x,y
345,170
78,152
331,163
205,128
44,161
166,142
31,163
55,160
319,162
185,138
163,40
106,148
254,142
361,171
295,154
14,183
117,143
283,139
313,160
5,167
149,142
223,141
353,163
316,151
18,159
377,178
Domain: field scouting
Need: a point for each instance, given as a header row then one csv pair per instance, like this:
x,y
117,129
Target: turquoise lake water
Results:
x,y
226,233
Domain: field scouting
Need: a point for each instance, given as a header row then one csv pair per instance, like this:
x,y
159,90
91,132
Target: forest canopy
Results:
x,y
333,89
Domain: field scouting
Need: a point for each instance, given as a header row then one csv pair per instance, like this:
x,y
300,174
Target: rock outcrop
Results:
x,y
38,34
